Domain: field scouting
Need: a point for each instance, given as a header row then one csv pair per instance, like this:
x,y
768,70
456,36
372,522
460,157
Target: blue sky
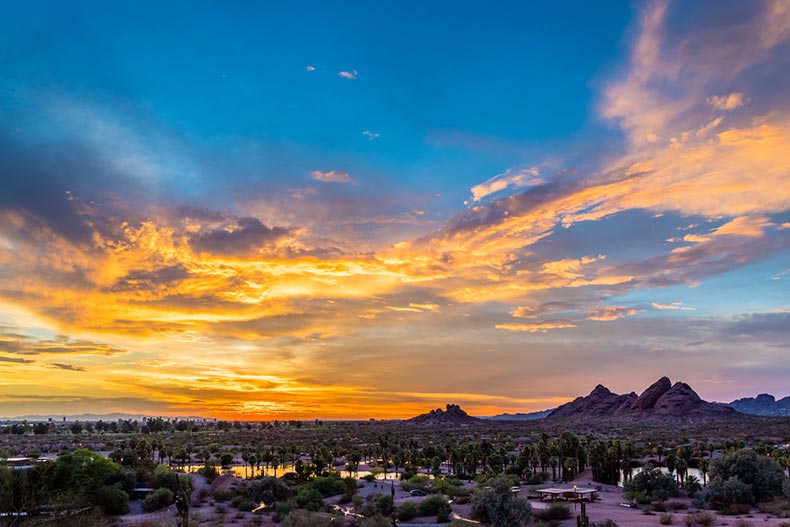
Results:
x,y
318,187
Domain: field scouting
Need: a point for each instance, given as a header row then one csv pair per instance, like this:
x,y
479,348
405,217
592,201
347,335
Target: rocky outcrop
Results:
x,y
763,404
600,402
650,396
662,401
452,415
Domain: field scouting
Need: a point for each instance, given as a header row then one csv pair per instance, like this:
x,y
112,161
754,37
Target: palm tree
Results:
x,y
625,467
275,464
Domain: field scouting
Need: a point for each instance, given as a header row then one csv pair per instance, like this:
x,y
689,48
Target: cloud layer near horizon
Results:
x,y
279,301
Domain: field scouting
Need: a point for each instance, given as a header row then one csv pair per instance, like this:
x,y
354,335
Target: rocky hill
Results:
x,y
453,415
662,401
763,404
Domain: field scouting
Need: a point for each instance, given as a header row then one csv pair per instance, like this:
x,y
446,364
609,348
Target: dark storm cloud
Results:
x,y
245,237
36,179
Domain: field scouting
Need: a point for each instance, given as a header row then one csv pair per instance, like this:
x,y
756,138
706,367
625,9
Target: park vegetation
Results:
x,y
309,472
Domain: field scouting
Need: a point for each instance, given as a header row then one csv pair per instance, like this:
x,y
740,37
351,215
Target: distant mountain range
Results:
x,y
91,417
763,404
531,416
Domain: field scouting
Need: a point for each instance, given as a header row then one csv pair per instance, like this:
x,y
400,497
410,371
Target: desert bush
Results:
x,y
736,509
763,476
434,505
723,493
608,522
282,509
111,499
650,485
222,495
779,508
666,519
417,482
376,521
554,512
699,518
407,511
300,518
743,523
160,498
496,505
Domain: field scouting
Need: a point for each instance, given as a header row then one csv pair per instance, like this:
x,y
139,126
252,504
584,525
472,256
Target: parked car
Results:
x,y
416,492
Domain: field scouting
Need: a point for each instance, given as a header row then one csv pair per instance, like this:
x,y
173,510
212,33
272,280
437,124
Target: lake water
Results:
x,y
242,472
689,472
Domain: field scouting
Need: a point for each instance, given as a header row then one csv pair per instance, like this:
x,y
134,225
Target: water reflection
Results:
x,y
697,473
240,471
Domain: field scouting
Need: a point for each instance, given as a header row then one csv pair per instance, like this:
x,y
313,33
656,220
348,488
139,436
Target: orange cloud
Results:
x,y
542,327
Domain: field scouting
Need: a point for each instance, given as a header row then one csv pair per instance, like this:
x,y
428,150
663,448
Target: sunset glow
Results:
x,y
327,211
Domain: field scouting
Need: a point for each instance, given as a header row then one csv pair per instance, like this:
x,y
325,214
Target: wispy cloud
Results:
x,y
69,367
673,305
726,102
310,68
350,75
331,176
511,178
541,327
609,313
371,135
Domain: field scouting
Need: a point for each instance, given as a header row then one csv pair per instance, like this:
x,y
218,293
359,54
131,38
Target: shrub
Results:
x,y
606,523
666,519
762,475
554,512
437,506
158,499
721,494
384,504
329,485
407,511
376,521
268,490
417,482
433,505
298,518
743,523
496,505
736,509
222,495
699,518
650,485
111,499
282,509
309,497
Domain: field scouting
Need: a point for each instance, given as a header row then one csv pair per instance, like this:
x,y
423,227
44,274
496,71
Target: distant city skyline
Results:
x,y
301,210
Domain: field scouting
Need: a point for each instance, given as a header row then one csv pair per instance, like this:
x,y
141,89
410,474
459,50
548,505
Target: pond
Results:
x,y
697,473
241,471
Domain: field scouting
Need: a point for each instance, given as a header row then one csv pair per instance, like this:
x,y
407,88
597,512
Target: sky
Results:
x,y
295,210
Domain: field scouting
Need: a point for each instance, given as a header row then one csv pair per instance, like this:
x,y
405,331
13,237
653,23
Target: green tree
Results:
x,y
763,475
495,504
